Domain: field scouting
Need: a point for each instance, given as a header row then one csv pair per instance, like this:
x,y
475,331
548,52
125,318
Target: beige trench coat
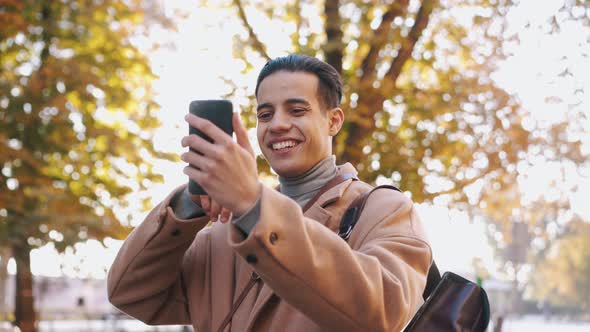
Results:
x,y
172,271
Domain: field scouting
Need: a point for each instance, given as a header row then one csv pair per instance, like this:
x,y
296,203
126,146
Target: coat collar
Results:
x,y
331,195
337,191
315,212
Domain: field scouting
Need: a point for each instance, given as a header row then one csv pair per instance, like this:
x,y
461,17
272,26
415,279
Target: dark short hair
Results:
x,y
330,84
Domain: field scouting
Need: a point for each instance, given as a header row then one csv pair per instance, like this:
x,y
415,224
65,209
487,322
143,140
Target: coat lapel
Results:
x,y
265,294
316,212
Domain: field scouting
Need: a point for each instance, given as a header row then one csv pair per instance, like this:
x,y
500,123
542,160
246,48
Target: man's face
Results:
x,y
293,131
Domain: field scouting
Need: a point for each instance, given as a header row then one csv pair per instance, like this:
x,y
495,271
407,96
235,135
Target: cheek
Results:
x,y
260,135
320,131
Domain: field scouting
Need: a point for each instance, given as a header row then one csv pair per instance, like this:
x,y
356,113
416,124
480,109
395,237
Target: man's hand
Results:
x,y
226,169
215,211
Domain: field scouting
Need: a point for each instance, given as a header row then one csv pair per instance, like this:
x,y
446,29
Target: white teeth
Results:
x,y
283,145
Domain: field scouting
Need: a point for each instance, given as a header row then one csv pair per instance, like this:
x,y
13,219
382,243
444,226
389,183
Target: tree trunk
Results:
x,y
334,46
4,257
359,127
24,307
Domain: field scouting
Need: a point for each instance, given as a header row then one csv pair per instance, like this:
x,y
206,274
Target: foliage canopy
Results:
x,y
77,115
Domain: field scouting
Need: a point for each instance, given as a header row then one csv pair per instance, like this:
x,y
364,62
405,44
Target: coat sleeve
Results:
x,y
146,280
373,283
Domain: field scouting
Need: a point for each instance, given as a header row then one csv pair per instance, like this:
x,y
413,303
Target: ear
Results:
x,y
336,119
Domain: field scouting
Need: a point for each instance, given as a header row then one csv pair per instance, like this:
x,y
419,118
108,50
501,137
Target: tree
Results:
x,y
554,164
563,276
422,110
4,256
77,114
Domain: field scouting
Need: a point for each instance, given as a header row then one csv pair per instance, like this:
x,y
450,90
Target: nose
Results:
x,y
280,122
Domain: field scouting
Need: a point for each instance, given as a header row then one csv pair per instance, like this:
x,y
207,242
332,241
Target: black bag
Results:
x,y
451,303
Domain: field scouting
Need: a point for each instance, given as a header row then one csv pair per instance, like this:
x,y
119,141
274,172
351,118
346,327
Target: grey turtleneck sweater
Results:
x,y
303,187
300,188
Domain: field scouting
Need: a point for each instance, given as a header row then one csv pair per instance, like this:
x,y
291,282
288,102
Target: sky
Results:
x,y
203,53
536,74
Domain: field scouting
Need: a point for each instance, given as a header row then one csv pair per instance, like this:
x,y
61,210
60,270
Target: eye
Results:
x,y
298,111
264,116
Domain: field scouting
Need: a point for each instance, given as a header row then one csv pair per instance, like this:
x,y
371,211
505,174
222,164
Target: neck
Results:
x,y
301,186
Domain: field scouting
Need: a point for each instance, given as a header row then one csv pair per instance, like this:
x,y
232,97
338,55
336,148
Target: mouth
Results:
x,y
283,146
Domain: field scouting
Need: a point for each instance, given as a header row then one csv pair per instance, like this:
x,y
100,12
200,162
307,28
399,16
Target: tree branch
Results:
x,y
254,41
397,8
296,9
371,100
459,185
334,47
422,18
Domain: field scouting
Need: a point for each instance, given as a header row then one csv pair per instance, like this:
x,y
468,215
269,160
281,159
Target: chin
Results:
x,y
286,170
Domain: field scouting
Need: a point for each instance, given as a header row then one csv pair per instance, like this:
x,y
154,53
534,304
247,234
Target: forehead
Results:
x,y
282,85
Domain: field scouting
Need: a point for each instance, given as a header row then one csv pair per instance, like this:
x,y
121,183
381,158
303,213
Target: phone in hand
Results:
x,y
220,113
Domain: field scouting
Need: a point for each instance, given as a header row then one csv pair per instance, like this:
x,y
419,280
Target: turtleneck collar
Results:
x,y
310,181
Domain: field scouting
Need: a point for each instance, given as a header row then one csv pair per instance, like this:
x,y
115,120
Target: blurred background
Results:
x,y
479,110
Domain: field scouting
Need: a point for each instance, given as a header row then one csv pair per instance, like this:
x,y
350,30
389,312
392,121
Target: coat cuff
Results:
x,y
260,242
183,206
248,220
171,225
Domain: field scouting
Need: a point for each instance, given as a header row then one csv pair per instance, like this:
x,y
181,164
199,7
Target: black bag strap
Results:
x,y
432,280
353,212
350,218
466,305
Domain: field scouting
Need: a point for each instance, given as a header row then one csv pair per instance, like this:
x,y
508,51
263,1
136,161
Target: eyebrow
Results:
x,y
288,101
263,105
297,101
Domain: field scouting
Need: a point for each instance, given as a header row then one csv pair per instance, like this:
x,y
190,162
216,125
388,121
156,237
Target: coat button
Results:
x,y
273,238
251,259
175,232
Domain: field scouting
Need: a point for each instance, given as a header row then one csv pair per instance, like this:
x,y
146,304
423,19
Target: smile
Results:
x,y
284,145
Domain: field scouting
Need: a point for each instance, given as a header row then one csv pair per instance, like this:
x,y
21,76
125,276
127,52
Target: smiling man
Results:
x,y
295,126
279,265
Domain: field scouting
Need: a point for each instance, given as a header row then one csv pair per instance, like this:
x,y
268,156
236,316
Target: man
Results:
x,y
275,267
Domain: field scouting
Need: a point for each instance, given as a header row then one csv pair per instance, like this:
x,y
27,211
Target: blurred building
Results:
x,y
67,298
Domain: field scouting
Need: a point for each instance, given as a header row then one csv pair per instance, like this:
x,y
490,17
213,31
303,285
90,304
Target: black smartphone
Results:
x,y
220,113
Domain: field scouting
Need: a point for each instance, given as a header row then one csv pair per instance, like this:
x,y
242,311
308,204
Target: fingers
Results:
x,y
205,203
225,215
197,161
194,174
215,210
208,149
212,209
208,128
241,133
197,143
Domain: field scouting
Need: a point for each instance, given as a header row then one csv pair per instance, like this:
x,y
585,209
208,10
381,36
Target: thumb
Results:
x,y
241,133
